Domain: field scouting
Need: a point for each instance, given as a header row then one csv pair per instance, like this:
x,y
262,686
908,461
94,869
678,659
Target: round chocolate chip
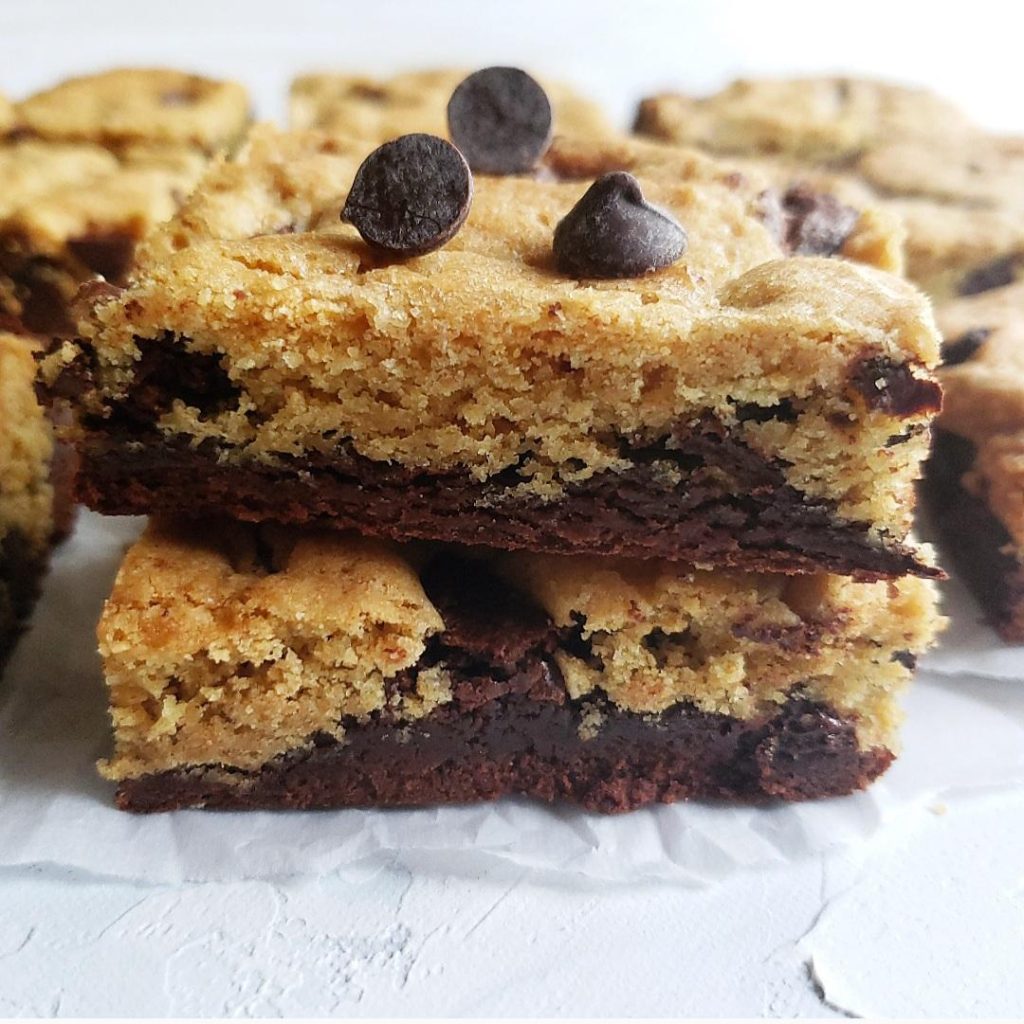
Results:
x,y
614,232
500,118
410,196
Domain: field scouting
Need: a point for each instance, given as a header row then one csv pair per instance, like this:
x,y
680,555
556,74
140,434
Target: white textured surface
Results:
x,y
926,919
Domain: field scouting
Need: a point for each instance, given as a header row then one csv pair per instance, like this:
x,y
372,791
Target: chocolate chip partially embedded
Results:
x,y
410,196
997,274
500,118
806,222
614,232
959,350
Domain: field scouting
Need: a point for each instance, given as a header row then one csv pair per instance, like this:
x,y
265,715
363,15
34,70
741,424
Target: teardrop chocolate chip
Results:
x,y
614,232
410,196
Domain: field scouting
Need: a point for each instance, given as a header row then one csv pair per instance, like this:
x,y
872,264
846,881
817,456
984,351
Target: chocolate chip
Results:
x,y
893,388
805,222
500,118
614,232
997,274
959,350
410,196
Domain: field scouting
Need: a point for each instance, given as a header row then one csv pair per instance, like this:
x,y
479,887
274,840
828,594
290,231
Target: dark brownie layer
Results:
x,y
511,728
45,308
731,509
519,746
972,537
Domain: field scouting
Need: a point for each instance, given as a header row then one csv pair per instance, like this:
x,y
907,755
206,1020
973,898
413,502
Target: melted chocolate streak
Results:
x,y
728,506
512,729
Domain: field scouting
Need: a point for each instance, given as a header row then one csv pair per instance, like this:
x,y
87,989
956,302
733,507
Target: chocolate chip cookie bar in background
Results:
x,y
35,505
974,482
259,666
742,407
6,115
957,187
89,167
380,109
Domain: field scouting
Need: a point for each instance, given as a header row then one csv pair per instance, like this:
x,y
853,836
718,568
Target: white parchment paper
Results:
x,y
964,734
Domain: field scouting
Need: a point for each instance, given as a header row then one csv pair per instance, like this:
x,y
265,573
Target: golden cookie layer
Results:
x,y
232,645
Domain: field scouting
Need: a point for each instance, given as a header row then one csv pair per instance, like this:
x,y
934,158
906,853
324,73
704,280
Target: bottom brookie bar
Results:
x,y
264,667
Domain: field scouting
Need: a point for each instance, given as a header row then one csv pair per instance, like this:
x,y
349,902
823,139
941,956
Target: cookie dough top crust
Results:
x,y
232,644
378,110
26,447
127,106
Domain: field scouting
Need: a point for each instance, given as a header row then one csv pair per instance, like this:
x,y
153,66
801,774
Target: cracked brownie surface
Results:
x,y
975,479
279,667
263,349
379,109
957,187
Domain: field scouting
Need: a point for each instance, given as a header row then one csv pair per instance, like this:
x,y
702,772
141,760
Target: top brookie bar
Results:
x,y
958,188
742,407
89,167
974,485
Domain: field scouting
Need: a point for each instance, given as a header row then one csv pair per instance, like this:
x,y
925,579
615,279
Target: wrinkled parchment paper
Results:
x,y
964,735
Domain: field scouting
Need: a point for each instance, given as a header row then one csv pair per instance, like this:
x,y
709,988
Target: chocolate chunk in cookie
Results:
x,y
614,232
806,222
500,118
959,350
410,196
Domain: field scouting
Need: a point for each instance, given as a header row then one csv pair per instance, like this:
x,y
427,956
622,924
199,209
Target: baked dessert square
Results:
x,y
35,504
749,406
89,167
957,186
974,483
379,109
130,107
261,666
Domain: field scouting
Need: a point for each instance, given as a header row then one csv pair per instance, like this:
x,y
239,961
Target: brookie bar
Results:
x,y
259,666
752,405
89,167
35,487
974,483
958,188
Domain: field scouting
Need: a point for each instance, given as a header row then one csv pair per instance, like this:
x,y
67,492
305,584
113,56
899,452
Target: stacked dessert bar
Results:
x,y
960,191
91,165
590,482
